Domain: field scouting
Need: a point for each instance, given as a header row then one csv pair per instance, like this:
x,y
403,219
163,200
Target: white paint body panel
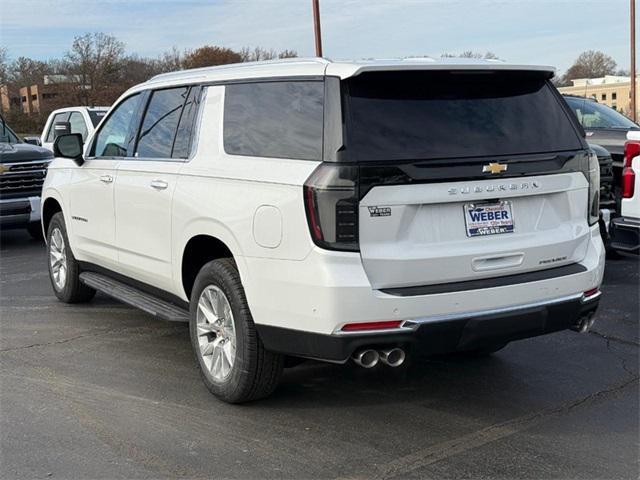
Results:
x,y
424,239
289,282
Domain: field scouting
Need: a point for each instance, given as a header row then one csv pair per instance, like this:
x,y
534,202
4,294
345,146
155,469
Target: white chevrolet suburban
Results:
x,y
333,210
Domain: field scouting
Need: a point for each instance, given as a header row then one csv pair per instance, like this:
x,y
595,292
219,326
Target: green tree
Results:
x,y
590,64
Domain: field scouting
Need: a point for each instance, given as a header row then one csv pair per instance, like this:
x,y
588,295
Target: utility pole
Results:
x,y
316,26
633,59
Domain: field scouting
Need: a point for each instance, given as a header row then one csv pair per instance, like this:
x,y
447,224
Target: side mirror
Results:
x,y
61,128
69,146
33,141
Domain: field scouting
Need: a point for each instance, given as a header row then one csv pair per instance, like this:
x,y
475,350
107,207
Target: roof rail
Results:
x,y
203,70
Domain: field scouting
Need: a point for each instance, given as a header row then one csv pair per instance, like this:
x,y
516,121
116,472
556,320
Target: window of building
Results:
x,y
112,139
274,119
614,96
603,96
24,99
34,97
160,123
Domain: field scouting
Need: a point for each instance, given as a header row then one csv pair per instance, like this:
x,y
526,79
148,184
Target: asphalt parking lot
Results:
x,y
105,391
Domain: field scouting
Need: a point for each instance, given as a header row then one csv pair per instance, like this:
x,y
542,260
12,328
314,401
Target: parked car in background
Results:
x,y
23,168
625,229
334,211
608,204
604,126
82,120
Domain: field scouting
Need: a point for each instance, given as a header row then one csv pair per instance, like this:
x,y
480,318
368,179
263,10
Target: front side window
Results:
x,y
59,117
78,125
112,139
274,119
160,123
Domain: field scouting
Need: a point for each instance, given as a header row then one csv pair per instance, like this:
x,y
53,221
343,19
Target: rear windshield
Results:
x,y
429,115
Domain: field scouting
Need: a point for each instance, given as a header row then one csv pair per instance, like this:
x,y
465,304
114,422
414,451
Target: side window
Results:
x,y
161,123
59,117
78,125
111,140
274,119
185,127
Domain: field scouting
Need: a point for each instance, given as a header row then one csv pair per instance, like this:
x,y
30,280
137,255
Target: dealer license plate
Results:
x,y
488,218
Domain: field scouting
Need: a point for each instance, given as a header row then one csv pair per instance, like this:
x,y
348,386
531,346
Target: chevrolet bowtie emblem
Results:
x,y
494,168
3,169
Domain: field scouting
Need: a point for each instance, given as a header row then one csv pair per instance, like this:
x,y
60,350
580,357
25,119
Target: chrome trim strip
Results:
x,y
413,324
591,297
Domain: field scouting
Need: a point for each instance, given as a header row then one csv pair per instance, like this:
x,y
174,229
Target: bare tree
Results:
x,y
590,64
25,71
96,61
287,54
471,54
4,66
257,54
170,61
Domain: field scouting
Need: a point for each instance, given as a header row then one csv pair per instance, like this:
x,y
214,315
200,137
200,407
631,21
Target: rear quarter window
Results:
x,y
281,119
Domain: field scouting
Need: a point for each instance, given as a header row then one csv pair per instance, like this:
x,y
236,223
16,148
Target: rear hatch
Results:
x,y
464,175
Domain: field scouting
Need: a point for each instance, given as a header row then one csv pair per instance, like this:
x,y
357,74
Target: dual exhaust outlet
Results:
x,y
369,358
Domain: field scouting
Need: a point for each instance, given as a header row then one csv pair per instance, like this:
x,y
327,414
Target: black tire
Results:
x,y
35,230
72,290
255,372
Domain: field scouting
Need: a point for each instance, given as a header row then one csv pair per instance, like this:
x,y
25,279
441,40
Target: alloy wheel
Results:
x,y
216,332
58,259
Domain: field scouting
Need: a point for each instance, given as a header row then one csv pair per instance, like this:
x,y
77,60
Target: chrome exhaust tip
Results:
x,y
584,324
366,358
393,357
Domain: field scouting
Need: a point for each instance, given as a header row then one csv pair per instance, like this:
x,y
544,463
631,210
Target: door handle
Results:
x,y
159,184
106,178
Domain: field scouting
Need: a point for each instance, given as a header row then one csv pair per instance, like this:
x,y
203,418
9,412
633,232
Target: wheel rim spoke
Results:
x,y
215,330
58,259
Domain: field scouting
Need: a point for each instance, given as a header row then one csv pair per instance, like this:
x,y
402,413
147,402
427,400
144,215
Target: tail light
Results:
x,y
594,189
631,150
331,203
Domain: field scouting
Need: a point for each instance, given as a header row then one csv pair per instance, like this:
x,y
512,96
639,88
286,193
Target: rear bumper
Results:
x,y
445,334
299,307
625,234
19,212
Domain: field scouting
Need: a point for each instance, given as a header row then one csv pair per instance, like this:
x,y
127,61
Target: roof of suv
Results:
x,y
320,66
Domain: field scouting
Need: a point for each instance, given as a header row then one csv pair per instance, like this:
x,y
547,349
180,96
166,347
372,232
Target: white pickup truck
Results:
x,y
82,120
625,229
